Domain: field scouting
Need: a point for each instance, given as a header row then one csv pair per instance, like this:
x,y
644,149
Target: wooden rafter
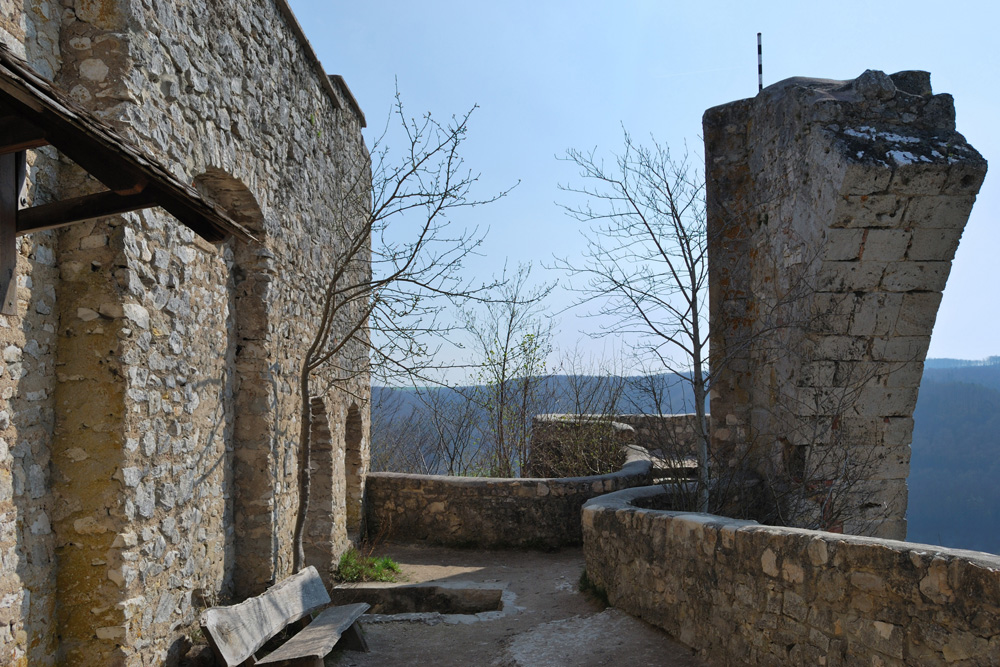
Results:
x,y
17,134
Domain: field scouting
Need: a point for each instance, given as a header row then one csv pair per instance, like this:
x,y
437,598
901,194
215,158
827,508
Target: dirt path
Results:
x,y
553,623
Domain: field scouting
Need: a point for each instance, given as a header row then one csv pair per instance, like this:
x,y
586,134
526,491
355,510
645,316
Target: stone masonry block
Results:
x,y
819,401
935,245
876,401
939,212
918,313
898,431
889,529
817,373
851,375
832,311
875,314
885,245
919,179
906,374
965,178
829,461
865,179
863,211
835,348
853,430
811,432
843,245
873,489
916,276
849,276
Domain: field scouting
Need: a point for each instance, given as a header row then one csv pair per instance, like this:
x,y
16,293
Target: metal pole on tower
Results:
x,y
760,66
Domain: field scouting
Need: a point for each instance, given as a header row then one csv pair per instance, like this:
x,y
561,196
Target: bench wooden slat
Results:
x,y
317,639
237,632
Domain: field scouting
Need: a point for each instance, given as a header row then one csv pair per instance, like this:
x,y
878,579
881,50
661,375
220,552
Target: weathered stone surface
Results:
x,y
834,208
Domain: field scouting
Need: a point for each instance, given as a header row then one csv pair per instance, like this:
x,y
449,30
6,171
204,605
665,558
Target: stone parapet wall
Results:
x,y
672,434
488,512
742,593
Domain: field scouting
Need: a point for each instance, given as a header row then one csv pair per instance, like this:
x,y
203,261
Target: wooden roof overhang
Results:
x,y
34,113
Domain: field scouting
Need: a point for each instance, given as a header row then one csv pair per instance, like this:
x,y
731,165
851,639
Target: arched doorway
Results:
x,y
252,553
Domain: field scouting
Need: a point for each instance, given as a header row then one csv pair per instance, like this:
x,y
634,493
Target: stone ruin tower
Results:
x,y
835,209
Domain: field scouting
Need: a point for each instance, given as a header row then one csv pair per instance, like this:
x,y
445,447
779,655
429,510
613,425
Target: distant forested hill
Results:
x,y
955,465
954,479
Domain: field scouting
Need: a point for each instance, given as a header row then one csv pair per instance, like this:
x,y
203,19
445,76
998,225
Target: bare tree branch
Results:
x,y
395,268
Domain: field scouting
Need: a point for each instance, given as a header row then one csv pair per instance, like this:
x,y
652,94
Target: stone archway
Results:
x,y
252,415
354,473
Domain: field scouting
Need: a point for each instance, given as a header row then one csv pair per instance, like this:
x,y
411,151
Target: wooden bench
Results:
x,y
237,632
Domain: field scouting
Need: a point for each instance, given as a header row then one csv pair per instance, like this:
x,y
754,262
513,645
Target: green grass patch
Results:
x,y
355,567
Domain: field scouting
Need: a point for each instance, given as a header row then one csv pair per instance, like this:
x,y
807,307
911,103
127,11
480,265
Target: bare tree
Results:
x,y
645,265
394,270
512,341
590,386
437,431
401,438
455,421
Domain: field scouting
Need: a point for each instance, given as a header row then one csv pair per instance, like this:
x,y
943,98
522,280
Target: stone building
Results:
x,y
835,209
150,408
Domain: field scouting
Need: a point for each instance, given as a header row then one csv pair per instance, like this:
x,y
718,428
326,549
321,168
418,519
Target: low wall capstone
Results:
x,y
490,512
741,593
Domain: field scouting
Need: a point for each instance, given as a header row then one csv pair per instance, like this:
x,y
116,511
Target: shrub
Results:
x,y
355,567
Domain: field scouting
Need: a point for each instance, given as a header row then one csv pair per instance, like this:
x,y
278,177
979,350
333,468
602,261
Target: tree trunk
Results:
x,y
698,384
305,433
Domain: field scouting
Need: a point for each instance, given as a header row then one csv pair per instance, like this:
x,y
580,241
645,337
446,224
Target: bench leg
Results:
x,y
353,639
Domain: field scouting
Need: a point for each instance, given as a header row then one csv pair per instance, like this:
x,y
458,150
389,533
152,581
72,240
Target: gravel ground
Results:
x,y
546,621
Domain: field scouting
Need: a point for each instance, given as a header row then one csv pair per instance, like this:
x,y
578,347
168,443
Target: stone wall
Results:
x,y
540,513
834,211
741,593
149,412
574,444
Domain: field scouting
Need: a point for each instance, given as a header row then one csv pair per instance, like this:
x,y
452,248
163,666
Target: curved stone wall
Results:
x,y
742,593
489,512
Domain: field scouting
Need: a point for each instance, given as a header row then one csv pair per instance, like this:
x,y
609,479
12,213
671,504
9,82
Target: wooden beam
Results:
x,y
70,211
123,167
8,233
17,134
193,214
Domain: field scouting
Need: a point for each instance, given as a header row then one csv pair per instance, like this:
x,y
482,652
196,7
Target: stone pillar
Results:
x,y
88,450
325,532
835,209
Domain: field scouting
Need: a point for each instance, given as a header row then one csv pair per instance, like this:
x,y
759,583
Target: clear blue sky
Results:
x,y
549,76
